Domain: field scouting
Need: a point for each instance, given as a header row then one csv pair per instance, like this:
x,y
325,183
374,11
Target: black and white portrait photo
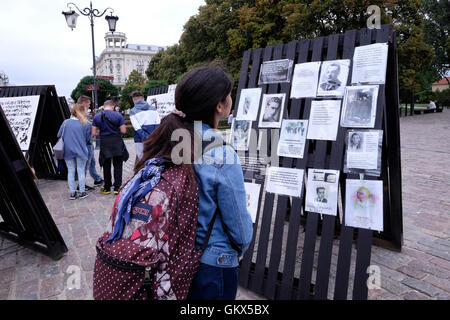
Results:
x,y
240,134
272,110
359,108
275,71
249,104
355,142
320,194
333,78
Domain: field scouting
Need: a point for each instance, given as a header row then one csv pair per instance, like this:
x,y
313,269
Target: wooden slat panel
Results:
x,y
312,218
295,213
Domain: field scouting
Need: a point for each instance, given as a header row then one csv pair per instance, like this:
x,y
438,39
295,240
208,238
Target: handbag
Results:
x,y
58,149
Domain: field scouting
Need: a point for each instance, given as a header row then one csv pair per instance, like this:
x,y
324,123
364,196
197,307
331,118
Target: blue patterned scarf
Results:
x,y
136,189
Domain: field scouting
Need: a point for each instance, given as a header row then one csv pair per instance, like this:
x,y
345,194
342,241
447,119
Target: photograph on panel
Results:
x,y
363,152
364,204
333,78
360,106
369,64
304,80
285,181
252,191
249,104
240,134
276,71
292,138
322,191
272,108
324,119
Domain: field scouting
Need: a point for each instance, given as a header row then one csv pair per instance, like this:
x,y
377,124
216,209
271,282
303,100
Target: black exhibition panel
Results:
x,y
51,112
273,266
25,216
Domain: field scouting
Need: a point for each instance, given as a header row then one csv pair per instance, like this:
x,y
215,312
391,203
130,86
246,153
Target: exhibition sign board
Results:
x,y
302,119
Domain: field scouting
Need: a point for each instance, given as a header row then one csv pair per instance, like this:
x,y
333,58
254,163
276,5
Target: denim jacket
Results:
x,y
221,184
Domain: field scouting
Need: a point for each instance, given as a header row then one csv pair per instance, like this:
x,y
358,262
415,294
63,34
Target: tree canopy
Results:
x,y
105,89
223,29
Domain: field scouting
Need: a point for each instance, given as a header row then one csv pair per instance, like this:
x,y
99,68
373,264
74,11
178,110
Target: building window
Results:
x,y
111,66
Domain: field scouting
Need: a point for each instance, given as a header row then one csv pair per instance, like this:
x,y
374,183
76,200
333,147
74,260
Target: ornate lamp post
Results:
x,y
71,19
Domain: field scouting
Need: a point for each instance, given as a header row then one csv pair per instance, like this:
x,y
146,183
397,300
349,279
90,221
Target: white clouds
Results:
x,y
37,47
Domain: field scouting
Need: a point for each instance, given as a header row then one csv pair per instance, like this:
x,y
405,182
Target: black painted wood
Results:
x,y
267,280
26,218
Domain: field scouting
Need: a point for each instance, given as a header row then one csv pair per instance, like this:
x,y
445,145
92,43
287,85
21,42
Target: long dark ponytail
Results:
x,y
197,95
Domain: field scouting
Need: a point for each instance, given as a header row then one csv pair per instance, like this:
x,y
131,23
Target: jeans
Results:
x,y
214,283
81,170
91,163
117,163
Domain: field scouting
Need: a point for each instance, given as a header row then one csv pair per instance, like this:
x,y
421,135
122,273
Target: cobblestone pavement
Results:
x,y
420,271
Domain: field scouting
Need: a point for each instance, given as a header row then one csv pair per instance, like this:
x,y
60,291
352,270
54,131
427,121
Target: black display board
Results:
x,y
25,216
52,111
269,266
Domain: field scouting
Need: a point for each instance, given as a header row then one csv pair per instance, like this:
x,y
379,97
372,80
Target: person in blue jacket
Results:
x,y
77,135
202,98
144,119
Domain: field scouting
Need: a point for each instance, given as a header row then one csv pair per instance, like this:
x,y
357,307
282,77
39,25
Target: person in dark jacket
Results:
x,y
109,125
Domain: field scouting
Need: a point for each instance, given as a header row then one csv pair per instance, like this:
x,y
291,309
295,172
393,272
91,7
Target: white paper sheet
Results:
x,y
249,104
364,204
333,78
360,106
21,114
286,181
272,109
369,64
252,191
304,81
292,138
324,119
362,149
322,191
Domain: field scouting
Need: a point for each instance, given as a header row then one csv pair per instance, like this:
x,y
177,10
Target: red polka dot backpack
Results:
x,y
155,257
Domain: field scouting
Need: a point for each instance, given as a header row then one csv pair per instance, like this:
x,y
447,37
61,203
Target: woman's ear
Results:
x,y
220,108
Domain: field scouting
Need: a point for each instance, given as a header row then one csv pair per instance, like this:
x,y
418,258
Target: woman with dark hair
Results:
x,y
204,95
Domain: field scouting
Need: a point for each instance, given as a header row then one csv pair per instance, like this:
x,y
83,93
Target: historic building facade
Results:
x,y
119,58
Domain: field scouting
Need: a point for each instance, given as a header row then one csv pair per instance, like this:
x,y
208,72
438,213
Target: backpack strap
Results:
x,y
104,116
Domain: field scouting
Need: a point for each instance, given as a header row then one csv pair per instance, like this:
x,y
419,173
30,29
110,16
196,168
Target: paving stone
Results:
x,y
7,276
27,290
441,263
414,295
412,272
51,286
422,287
439,283
5,290
27,273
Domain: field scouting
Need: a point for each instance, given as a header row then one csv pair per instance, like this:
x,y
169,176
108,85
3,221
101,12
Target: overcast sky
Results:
x,y
38,48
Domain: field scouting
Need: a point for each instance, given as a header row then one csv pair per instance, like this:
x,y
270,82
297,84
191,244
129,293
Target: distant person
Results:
x,y
432,105
331,76
76,138
144,119
272,110
85,101
110,125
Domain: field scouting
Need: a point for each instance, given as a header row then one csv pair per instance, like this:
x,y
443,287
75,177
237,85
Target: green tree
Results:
x,y
134,82
105,89
436,15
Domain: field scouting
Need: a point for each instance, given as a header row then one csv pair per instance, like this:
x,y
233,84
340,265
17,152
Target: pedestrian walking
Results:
x,y
109,125
86,102
76,135
144,119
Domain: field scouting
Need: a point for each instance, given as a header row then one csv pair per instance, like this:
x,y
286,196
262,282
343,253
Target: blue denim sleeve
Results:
x,y
88,133
232,203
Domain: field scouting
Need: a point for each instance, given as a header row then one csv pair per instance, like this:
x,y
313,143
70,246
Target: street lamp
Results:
x,y
71,19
